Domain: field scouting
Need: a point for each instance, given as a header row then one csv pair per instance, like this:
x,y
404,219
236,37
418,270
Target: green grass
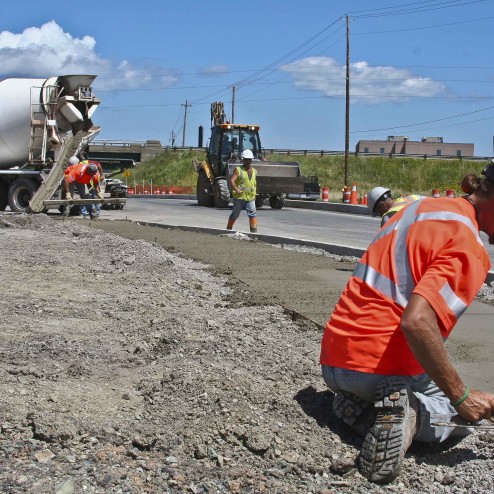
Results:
x,y
402,175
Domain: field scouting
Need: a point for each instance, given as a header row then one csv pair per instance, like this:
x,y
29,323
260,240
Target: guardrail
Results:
x,y
325,152
296,152
111,142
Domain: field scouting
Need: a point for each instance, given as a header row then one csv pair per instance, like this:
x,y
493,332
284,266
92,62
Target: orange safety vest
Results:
x,y
431,248
77,173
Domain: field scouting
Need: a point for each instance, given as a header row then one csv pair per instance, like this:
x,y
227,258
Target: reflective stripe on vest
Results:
x,y
399,204
401,290
248,186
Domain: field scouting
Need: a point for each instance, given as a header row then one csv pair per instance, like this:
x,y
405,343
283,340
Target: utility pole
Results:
x,y
172,138
233,104
347,106
185,122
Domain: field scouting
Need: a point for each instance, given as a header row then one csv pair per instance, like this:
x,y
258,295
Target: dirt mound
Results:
x,y
127,368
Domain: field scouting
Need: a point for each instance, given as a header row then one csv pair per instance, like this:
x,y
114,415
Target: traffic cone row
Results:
x,y
363,200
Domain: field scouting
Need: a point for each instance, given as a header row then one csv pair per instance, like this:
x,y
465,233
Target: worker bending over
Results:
x,y
77,176
381,203
243,182
383,351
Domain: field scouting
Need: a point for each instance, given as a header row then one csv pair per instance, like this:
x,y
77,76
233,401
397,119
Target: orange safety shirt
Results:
x,y
77,173
431,248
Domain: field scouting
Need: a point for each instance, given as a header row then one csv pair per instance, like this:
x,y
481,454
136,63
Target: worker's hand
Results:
x,y
68,196
100,195
477,406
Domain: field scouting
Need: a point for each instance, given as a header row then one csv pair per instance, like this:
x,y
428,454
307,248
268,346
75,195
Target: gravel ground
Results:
x,y
128,368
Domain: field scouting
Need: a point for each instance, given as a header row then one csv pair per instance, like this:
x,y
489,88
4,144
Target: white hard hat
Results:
x,y
373,197
92,168
247,154
74,160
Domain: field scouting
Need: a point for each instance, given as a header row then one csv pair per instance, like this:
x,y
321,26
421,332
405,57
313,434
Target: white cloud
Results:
x,y
49,51
215,69
367,84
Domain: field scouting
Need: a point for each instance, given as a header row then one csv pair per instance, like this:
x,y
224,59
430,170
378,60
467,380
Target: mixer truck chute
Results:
x,y
43,122
275,179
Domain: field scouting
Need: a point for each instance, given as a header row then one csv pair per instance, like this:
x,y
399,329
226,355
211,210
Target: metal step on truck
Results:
x,y
43,122
275,179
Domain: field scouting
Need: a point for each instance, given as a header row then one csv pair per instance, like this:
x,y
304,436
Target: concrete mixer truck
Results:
x,y
43,122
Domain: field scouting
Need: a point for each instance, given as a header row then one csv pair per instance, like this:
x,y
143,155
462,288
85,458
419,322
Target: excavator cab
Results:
x,y
227,143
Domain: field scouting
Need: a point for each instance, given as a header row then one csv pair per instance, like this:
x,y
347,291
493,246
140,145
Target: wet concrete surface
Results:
x,y
310,285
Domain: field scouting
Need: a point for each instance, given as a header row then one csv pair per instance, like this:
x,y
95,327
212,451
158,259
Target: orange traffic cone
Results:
x,y
353,195
365,199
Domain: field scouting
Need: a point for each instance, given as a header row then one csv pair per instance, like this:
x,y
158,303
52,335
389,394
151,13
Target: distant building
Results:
x,y
430,146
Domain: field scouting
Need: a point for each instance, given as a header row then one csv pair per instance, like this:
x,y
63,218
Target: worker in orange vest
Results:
x,y
383,351
77,176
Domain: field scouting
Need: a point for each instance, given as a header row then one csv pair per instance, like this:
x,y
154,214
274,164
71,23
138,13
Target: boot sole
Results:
x,y
384,446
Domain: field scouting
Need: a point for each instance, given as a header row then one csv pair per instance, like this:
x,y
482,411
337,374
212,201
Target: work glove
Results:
x,y
100,195
68,196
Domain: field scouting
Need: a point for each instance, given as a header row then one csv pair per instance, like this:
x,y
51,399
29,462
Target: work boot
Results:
x,y
253,225
230,223
356,412
389,438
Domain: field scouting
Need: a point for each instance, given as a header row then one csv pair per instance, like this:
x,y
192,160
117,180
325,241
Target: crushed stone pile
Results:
x,y
125,368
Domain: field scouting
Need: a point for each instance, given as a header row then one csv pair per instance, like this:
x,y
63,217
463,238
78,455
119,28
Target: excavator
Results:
x,y
275,179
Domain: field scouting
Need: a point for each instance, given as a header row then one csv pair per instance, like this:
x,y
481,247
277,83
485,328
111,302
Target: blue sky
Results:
x,y
422,68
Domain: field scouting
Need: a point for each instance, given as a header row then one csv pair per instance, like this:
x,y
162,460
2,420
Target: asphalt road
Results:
x,y
329,227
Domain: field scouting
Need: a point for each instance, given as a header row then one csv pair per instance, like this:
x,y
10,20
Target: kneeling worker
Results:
x,y
77,176
243,182
383,350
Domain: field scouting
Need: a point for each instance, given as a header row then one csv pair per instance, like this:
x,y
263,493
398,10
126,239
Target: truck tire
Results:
x,y
4,195
204,191
221,193
20,193
260,202
277,201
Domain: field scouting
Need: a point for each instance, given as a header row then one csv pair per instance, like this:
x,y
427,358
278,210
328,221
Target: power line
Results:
x,y
412,10
419,28
424,123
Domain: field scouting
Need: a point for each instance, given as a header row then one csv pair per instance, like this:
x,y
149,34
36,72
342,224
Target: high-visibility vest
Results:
x,y
77,173
431,248
246,184
398,204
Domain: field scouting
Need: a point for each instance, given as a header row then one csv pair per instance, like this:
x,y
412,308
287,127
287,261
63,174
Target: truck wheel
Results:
x,y
277,201
260,201
20,193
221,193
4,195
204,191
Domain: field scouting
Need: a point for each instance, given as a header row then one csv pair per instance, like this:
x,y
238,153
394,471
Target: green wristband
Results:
x,y
462,399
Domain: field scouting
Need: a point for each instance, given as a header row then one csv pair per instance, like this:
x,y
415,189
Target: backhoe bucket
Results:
x,y
275,177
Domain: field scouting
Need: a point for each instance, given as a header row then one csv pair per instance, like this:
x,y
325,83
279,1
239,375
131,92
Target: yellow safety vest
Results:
x,y
245,184
398,204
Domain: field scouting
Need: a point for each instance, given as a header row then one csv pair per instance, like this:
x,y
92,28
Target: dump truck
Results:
x,y
275,179
43,122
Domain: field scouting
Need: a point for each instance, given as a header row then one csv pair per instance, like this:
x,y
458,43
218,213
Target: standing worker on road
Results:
x,y
77,176
243,182
381,203
383,351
